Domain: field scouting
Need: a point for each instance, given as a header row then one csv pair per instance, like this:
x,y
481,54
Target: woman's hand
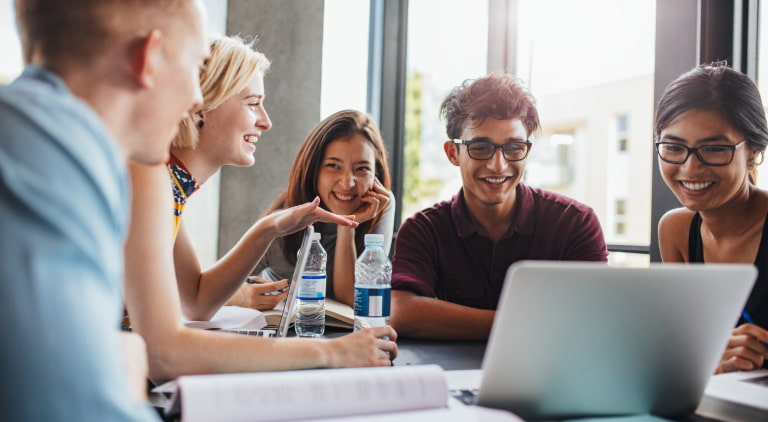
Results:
x,y
260,294
291,220
746,349
375,201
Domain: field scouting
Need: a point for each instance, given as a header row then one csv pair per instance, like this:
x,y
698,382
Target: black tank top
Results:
x,y
757,304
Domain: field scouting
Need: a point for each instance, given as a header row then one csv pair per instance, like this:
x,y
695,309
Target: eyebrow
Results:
x,y
341,161
715,138
487,139
257,96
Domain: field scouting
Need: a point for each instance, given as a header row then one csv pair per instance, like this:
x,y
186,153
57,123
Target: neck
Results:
x,y
491,221
105,95
196,163
738,215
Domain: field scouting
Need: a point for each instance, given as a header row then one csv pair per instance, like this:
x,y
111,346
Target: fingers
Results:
x,y
745,350
752,330
329,217
261,286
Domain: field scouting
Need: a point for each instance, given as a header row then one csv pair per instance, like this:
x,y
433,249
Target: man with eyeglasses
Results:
x,y
450,260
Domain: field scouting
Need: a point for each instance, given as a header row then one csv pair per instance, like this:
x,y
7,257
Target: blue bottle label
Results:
x,y
372,302
312,287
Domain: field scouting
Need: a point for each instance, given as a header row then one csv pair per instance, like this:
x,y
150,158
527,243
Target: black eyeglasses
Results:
x,y
484,150
710,155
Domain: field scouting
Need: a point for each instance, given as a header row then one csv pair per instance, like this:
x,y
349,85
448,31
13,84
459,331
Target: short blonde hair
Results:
x,y
228,71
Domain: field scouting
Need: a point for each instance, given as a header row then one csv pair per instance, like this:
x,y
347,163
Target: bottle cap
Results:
x,y
315,236
374,239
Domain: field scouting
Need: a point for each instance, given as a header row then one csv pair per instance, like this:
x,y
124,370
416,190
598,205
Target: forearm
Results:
x,y
425,317
219,282
194,351
344,265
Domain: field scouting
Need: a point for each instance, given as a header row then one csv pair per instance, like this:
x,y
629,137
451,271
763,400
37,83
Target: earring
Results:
x,y
200,124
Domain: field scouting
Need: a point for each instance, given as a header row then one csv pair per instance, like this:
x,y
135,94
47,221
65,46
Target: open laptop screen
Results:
x,y
293,287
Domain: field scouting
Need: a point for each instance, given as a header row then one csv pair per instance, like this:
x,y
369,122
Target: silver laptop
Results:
x,y
584,339
289,308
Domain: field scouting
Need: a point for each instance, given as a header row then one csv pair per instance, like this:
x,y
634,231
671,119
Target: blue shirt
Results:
x,y
63,216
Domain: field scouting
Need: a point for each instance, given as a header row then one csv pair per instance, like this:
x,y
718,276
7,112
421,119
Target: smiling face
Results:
x,y
230,131
492,182
699,187
347,172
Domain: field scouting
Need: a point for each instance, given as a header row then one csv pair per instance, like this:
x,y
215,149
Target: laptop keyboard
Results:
x,y
257,333
465,396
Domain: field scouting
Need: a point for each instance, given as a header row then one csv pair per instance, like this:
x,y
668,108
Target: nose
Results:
x,y
497,163
692,163
263,122
347,180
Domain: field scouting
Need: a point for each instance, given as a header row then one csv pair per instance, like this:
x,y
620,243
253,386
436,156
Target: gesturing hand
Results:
x,y
291,220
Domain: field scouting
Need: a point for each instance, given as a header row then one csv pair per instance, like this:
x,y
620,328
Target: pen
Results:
x,y
745,315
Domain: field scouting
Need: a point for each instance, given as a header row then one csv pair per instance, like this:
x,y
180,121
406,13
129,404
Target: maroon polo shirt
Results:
x,y
439,253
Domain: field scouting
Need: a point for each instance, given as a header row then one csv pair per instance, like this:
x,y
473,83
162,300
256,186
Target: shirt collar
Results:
x,y
186,181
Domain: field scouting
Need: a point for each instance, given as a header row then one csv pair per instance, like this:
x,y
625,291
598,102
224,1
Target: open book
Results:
x,y
337,314
414,392
233,318
736,396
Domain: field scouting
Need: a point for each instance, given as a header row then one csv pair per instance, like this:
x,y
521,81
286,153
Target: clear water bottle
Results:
x,y
373,273
310,312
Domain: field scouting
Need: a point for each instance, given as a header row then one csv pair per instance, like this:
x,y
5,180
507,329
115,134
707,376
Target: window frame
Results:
x,y
688,32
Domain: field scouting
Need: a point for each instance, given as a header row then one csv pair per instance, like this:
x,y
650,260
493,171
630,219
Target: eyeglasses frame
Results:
x,y
469,142
695,151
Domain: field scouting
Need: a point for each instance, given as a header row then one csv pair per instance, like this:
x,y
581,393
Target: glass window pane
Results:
x,y
345,56
594,88
762,78
10,50
447,43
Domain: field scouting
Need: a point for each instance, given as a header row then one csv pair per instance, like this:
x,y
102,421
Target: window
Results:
x,y
441,55
10,50
593,80
345,56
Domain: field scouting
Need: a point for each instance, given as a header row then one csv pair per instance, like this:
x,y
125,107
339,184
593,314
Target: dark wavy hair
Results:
x,y
499,96
718,88
302,179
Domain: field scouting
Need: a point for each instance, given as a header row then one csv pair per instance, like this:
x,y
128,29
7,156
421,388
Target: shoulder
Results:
x,y
675,221
674,232
546,202
435,215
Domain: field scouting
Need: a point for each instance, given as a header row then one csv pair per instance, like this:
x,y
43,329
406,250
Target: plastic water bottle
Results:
x,y
310,313
373,274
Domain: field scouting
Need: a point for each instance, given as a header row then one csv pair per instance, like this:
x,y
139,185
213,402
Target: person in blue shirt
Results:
x,y
96,91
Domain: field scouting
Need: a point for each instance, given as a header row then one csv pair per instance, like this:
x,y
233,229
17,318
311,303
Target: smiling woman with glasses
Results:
x,y
484,149
705,113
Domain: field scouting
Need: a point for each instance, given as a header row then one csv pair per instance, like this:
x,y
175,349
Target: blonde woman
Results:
x,y
164,277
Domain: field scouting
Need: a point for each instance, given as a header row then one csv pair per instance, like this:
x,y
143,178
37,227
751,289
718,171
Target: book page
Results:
x,y
232,318
319,393
338,314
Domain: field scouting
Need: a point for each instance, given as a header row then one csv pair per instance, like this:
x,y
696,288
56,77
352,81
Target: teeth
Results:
x,y
251,138
495,180
344,197
696,185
